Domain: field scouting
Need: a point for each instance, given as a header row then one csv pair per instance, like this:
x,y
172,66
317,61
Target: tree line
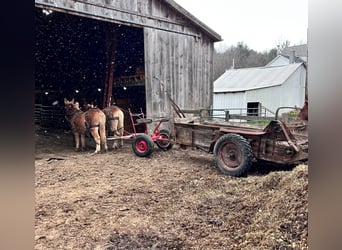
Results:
x,y
241,56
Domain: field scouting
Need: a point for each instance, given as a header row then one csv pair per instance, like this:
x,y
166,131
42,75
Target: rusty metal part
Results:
x,y
274,143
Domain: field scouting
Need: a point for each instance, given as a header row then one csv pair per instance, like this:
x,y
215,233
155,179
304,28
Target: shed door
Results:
x,y
254,108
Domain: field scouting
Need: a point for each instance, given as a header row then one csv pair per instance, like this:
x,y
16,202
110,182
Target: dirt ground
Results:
x,y
174,199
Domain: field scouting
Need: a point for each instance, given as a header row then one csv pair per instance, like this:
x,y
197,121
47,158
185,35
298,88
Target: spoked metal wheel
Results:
x,y
233,154
164,141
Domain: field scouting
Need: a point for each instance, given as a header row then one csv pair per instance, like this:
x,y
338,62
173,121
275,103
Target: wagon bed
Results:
x,y
235,147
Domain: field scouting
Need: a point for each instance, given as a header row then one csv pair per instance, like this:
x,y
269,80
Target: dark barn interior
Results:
x,y
79,57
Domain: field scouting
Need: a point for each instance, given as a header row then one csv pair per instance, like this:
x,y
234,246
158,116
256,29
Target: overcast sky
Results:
x,y
261,24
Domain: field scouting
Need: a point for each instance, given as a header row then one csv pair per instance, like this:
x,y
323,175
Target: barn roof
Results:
x,y
211,33
237,80
279,60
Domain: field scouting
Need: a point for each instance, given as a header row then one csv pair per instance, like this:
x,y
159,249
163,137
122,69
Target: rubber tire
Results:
x,y
142,145
241,154
161,144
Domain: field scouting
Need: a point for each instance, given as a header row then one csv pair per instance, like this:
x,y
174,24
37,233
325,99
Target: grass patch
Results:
x,y
258,123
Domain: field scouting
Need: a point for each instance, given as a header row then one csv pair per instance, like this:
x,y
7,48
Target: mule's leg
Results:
x,y
82,141
112,128
121,134
77,140
118,134
95,133
103,137
121,127
115,144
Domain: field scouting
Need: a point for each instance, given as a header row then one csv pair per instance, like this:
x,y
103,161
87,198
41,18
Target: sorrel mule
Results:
x,y
94,120
303,113
115,123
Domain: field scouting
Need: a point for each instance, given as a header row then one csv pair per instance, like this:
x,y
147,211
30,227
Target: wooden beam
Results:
x,y
111,43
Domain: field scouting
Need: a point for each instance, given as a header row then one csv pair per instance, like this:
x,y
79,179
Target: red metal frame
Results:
x,y
155,135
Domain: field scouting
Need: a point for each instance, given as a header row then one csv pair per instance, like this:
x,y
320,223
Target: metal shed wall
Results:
x,y
178,51
234,100
290,93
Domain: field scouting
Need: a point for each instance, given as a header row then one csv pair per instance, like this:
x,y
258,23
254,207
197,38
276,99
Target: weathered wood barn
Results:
x,y
133,53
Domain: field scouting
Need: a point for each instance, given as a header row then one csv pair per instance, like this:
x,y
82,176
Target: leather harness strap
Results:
x,y
87,124
115,131
113,118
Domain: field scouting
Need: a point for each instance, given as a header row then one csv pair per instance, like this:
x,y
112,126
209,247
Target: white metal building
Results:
x,y
270,87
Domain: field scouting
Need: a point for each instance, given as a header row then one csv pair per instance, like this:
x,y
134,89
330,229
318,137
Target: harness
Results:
x,y
113,118
87,124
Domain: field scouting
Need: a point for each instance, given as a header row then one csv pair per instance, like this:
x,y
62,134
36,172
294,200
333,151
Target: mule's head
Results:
x,y
303,113
71,107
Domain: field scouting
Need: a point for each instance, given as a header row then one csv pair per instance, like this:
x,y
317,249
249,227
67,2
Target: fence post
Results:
x,y
285,117
227,115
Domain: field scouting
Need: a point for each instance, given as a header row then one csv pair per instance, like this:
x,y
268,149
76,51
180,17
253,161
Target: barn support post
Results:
x,y
111,42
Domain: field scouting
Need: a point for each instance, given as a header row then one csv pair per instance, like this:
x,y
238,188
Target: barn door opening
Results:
x,y
253,108
129,74
87,59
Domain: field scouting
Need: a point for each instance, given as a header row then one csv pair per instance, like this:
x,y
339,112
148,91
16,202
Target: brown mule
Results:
x,y
115,122
303,113
94,120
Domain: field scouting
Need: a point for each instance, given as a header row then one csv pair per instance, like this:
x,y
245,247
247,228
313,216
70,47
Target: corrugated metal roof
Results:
x,y
235,80
279,60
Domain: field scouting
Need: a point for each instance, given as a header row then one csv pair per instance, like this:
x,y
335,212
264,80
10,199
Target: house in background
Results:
x,y
281,83
298,54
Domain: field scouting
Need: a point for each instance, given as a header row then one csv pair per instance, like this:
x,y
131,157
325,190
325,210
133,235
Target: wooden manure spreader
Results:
x,y
236,147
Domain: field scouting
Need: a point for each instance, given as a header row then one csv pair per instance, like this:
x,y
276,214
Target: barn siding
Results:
x,y
152,13
176,65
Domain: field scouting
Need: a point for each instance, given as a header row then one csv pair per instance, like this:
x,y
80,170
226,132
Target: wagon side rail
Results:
x,y
237,114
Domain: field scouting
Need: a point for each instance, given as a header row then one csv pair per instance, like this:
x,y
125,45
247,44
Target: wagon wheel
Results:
x,y
164,141
142,145
233,154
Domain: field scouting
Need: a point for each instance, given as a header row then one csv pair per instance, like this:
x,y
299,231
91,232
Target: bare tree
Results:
x,y
240,56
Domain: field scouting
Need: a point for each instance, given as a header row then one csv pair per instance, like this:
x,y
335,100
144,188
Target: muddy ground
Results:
x,y
174,199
